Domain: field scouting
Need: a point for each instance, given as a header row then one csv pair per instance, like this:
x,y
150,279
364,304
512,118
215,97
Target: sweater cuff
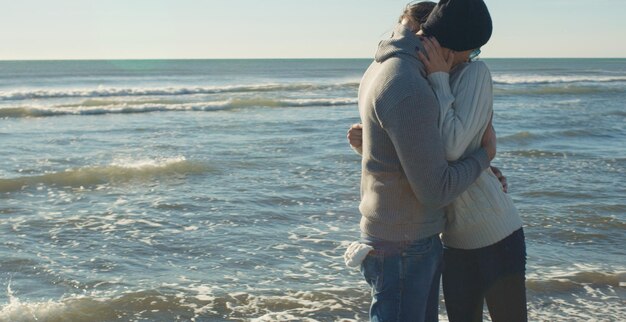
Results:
x,y
440,81
482,158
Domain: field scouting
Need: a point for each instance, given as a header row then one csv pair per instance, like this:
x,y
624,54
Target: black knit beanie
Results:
x,y
459,24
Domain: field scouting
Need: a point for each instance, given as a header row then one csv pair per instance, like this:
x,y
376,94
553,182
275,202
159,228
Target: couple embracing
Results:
x,y
426,142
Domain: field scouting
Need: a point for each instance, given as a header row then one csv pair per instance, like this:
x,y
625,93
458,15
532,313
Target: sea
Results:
x,y
225,190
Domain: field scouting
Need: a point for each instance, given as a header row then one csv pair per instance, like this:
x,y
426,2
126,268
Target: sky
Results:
x,y
177,29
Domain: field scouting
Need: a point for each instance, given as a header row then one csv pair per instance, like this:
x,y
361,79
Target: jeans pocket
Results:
x,y
372,269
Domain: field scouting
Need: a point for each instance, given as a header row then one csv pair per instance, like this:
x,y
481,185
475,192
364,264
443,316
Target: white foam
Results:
x,y
165,91
119,170
130,163
15,310
127,108
554,79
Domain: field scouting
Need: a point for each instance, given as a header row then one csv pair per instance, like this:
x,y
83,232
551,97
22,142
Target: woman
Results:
x,y
484,247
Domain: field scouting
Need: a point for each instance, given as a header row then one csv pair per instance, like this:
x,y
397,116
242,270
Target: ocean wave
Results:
x,y
616,113
526,137
556,90
79,308
115,172
168,91
576,282
196,304
559,194
519,137
141,107
538,154
208,303
555,79
577,296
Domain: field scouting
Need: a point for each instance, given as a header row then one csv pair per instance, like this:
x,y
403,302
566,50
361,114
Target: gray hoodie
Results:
x,y
406,180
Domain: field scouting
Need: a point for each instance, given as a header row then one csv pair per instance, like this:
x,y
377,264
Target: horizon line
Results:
x,y
272,58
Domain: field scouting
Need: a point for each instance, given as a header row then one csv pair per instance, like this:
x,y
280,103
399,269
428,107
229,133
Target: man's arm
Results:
x,y
412,127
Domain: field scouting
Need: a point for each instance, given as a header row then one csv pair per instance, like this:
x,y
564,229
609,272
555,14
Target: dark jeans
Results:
x,y
495,273
404,277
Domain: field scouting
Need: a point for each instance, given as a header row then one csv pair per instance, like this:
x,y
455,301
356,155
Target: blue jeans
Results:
x,y
495,274
404,277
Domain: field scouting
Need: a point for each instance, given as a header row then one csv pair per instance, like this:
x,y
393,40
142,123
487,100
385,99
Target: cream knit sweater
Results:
x,y
483,214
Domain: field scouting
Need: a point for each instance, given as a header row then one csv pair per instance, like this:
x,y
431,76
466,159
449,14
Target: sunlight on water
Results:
x,y
226,190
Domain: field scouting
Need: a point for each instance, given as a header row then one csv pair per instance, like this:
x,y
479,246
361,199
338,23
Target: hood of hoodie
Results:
x,y
402,42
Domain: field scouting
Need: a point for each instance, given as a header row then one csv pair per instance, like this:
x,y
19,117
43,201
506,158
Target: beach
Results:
x,y
225,190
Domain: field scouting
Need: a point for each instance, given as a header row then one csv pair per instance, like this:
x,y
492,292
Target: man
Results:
x,y
406,180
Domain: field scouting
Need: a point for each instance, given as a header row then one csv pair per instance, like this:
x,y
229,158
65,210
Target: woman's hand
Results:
x,y
435,60
355,135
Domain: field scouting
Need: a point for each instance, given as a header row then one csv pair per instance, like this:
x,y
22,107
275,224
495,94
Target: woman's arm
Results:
x,y
440,82
464,113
